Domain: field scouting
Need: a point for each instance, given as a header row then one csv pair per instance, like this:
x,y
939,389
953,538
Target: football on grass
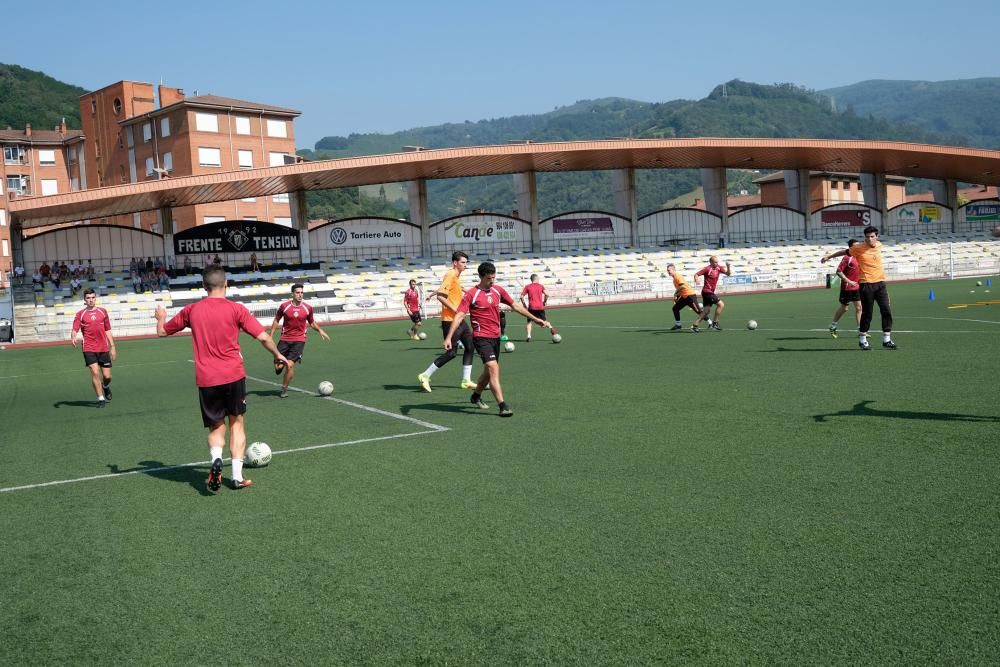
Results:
x,y
508,346
751,325
422,335
257,455
325,388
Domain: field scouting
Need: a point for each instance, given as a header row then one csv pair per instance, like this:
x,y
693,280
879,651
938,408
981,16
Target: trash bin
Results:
x,y
6,331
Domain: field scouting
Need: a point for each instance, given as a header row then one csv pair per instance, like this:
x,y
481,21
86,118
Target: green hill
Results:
x,y
32,97
965,112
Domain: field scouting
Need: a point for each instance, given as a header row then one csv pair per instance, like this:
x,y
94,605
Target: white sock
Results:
x,y
431,370
833,325
215,453
677,323
467,373
886,336
101,397
237,469
863,338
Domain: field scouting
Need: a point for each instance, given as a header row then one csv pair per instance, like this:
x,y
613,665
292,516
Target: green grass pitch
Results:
x,y
733,497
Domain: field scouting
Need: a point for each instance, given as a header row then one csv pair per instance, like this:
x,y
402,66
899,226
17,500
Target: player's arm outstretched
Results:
x,y
729,269
827,258
517,307
265,339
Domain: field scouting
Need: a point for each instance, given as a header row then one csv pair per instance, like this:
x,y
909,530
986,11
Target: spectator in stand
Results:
x,y
75,285
45,270
208,261
149,264
254,266
19,274
163,279
73,268
187,265
217,260
90,270
136,283
133,266
38,279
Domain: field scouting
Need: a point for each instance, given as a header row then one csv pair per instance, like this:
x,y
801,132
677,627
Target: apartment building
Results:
x,y
136,133
829,187
37,162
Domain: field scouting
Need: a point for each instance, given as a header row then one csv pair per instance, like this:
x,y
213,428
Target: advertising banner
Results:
x,y
582,227
982,212
482,231
234,236
930,214
371,235
612,287
845,218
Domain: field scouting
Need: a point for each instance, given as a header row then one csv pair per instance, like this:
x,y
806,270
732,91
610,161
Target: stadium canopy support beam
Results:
x,y
165,216
875,192
623,182
713,182
526,191
416,192
797,194
946,192
300,223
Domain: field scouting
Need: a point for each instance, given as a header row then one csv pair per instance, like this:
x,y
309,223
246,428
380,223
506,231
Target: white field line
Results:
x,y
874,330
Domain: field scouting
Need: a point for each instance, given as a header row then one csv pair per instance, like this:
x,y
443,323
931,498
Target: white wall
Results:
x,y
364,238
480,234
591,232
764,223
109,246
678,224
917,218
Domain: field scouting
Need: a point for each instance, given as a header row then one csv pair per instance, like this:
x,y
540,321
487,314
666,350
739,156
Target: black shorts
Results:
x,y
222,400
462,333
849,295
488,348
292,349
415,317
102,359
709,299
688,302
540,314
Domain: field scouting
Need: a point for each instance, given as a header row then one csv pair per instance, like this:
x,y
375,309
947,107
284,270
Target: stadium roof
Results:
x,y
970,165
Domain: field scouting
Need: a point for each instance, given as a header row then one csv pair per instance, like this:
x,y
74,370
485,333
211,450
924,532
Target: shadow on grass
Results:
x,y
265,392
804,337
75,404
812,349
188,474
861,409
403,387
453,408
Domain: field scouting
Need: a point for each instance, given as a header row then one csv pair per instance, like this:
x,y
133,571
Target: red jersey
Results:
x,y
296,319
411,299
215,325
484,306
849,267
711,278
536,296
94,322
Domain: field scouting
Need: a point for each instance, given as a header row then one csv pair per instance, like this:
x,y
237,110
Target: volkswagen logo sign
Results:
x,y
338,235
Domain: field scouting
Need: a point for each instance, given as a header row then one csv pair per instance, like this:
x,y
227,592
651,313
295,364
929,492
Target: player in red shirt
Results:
x,y
297,315
537,298
215,324
411,304
482,302
94,324
708,295
850,289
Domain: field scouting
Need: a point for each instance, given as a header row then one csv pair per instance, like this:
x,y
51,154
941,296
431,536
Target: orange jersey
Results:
x,y
869,261
451,289
683,289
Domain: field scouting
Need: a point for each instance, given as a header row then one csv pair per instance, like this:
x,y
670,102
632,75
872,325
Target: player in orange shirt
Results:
x,y
684,296
450,295
872,287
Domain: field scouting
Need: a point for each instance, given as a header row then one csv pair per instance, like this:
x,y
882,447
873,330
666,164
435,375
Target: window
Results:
x,y
18,184
50,186
6,248
149,166
121,174
277,128
168,161
206,122
250,217
284,222
117,104
93,106
46,158
3,218
246,159
276,159
13,154
164,127
249,200
242,125
210,157
209,219
147,132
280,199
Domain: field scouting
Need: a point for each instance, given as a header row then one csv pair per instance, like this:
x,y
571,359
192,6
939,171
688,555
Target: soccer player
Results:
x,y
411,304
850,291
450,295
537,298
94,325
708,295
684,296
215,324
482,302
297,315
872,287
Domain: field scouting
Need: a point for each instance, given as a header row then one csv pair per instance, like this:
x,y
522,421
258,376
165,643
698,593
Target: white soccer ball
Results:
x,y
508,346
325,388
422,335
257,455
556,338
751,325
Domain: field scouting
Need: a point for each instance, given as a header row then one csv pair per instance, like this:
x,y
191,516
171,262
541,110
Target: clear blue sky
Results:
x,y
373,66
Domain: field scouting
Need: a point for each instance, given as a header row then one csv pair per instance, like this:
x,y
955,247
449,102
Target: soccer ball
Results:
x,y
508,346
751,325
422,335
257,455
979,283
556,338
325,388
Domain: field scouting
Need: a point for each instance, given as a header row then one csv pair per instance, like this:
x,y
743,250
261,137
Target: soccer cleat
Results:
x,y
102,404
833,331
889,345
695,329
214,480
107,392
284,392
865,347
506,412
528,339
715,325
467,384
278,368
241,483
425,382
478,402
676,327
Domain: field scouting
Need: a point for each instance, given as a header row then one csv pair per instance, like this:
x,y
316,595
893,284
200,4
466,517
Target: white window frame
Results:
x,y
147,132
204,156
168,161
3,218
49,186
276,159
283,221
249,200
277,128
242,124
209,219
206,122
280,199
250,218
246,163
46,157
149,166
6,248
13,154
165,126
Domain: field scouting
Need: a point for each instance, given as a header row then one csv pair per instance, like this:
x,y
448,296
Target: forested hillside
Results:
x,y
29,97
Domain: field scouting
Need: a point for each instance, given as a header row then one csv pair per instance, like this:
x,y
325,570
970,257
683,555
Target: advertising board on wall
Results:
x,y
372,235
982,212
612,287
926,213
235,236
566,228
472,230
845,218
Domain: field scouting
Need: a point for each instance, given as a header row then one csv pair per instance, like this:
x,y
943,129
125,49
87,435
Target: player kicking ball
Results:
x,y
482,303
